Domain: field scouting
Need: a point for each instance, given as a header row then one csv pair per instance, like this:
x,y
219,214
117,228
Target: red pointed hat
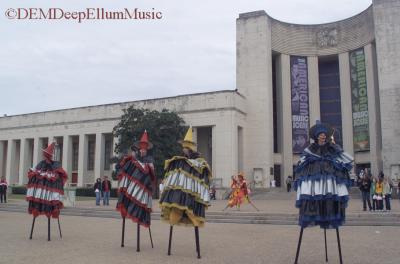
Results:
x,y
50,149
144,142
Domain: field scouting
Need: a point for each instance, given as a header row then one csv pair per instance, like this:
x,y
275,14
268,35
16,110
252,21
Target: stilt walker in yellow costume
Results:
x,y
186,190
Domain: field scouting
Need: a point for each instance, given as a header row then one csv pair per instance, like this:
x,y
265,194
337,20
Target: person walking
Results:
x,y
289,183
3,190
106,187
97,190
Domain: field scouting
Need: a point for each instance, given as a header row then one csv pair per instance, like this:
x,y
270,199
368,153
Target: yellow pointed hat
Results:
x,y
188,140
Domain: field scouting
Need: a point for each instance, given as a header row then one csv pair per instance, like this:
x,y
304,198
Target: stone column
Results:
x,y
345,94
373,111
313,88
284,115
83,157
67,156
99,156
37,151
23,160
10,169
2,157
254,81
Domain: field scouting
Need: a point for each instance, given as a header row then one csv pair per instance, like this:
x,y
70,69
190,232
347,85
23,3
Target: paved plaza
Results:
x,y
97,240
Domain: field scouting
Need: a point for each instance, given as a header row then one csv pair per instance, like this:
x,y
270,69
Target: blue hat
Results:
x,y
319,128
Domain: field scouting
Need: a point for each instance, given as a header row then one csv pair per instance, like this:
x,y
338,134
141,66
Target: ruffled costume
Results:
x,y
45,189
322,181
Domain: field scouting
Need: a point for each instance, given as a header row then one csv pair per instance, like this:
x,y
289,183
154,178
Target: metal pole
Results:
x,y
298,245
340,248
170,240
33,225
123,232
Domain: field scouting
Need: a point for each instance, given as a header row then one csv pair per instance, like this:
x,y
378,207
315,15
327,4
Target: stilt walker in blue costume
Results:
x,y
45,189
322,181
186,196
136,180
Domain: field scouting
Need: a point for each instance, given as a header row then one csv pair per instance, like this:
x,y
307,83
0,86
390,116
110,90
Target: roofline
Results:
x,y
127,102
263,13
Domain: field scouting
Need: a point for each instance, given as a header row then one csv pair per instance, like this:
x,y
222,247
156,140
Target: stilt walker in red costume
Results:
x,y
136,180
45,189
240,193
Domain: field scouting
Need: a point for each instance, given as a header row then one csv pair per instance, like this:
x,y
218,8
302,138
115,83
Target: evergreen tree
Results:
x,y
164,128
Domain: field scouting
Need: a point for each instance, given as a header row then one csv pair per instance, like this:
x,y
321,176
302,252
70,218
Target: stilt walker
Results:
x,y
136,180
322,181
240,193
186,196
45,189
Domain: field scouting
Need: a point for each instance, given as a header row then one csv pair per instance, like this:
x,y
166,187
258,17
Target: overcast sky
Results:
x,y
48,65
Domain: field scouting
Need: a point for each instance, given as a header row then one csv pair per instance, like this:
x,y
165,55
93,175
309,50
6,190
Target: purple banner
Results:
x,y
300,109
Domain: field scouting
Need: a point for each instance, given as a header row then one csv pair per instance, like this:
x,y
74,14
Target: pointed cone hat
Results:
x,y
49,150
144,142
188,142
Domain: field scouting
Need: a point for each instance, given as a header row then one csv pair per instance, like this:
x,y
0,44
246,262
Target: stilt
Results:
x,y
48,228
326,247
298,245
225,208
123,232
33,225
59,226
196,231
151,239
170,240
253,206
138,238
338,242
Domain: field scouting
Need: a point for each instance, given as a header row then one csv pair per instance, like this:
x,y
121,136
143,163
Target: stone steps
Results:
x,y
367,219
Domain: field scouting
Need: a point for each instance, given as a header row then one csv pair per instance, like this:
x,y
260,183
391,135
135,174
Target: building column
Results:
x,y
83,156
99,156
23,160
373,111
67,156
37,151
2,156
346,105
313,89
10,169
285,115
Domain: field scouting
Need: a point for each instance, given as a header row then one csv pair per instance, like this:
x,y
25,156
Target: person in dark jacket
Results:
x,y
365,186
97,190
106,187
3,190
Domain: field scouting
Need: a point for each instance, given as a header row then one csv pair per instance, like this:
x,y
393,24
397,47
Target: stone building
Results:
x,y
345,73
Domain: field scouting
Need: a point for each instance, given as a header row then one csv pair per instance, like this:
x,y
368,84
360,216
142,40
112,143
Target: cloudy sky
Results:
x,y
47,65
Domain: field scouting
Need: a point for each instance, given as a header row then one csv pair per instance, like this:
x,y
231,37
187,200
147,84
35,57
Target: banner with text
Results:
x,y
359,100
300,108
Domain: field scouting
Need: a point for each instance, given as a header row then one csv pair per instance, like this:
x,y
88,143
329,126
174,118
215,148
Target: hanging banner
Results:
x,y
359,100
300,108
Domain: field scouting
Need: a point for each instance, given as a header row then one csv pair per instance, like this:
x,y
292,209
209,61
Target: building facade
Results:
x,y
345,73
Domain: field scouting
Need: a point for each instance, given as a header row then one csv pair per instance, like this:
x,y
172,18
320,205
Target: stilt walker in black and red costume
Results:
x,y
186,195
136,180
45,189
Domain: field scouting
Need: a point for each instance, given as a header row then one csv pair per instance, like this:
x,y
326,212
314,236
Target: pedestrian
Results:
x,y
372,192
3,190
97,190
289,183
379,194
365,186
106,187
387,193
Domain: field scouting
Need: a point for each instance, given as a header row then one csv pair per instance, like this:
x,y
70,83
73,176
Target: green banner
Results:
x,y
359,100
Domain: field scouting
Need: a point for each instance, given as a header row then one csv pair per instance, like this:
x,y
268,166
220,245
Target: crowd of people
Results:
x,y
376,192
